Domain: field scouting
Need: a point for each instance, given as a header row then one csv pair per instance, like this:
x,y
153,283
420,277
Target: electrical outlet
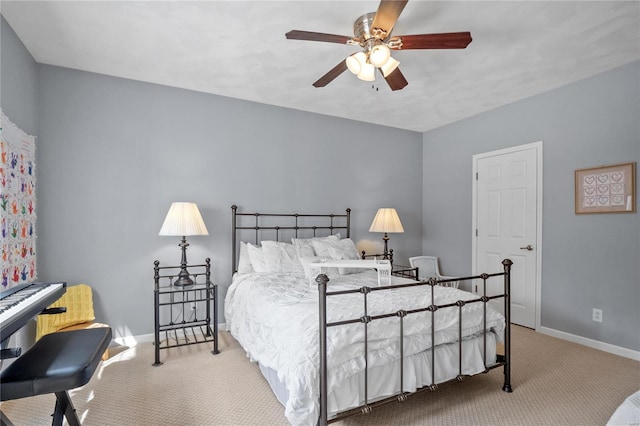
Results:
x,y
597,315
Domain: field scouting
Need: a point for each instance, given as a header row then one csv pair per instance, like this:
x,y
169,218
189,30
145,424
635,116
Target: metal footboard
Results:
x,y
502,360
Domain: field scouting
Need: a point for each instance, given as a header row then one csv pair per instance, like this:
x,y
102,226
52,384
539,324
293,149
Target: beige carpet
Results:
x,y
555,383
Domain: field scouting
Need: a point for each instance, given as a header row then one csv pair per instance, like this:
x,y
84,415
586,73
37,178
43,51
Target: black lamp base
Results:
x,y
388,253
183,277
385,254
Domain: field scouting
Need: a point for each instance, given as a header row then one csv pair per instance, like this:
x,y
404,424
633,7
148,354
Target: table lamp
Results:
x,y
183,219
386,221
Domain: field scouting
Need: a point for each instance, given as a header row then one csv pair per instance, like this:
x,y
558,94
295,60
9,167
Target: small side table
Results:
x,y
182,314
405,271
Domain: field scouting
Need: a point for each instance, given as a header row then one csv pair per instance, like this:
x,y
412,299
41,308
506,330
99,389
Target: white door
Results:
x,y
507,222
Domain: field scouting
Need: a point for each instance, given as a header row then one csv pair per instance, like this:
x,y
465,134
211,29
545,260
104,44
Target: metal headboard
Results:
x,y
297,225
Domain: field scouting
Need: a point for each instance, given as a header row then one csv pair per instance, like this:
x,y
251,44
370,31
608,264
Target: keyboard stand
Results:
x,y
56,363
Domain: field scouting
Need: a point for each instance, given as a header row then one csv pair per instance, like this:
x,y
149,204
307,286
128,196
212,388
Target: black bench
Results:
x,y
56,363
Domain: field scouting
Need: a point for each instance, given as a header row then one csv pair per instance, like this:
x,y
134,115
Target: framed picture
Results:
x,y
606,189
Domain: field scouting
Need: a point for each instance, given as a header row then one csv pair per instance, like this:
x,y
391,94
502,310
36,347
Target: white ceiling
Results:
x,y
238,49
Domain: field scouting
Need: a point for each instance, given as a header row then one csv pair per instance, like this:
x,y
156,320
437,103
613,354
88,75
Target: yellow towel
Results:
x,y
78,300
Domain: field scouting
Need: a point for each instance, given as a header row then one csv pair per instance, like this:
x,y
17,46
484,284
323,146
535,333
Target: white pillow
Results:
x,y
256,256
321,248
280,257
304,246
346,250
244,262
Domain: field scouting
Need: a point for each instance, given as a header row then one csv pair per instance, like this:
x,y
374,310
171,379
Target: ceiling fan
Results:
x,y
372,32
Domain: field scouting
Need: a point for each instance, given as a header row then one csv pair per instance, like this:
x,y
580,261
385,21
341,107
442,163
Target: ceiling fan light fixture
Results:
x,y
379,55
367,73
355,62
389,67
372,33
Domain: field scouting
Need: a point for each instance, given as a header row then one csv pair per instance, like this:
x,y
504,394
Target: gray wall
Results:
x,y
18,81
589,261
113,154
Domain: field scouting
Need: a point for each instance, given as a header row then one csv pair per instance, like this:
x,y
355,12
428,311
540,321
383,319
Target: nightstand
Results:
x,y
382,256
183,314
404,271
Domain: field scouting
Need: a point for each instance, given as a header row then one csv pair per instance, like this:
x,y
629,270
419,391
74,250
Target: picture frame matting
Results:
x,y
606,189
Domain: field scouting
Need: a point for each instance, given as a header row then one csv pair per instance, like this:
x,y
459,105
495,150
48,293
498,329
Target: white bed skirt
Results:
x,y
384,380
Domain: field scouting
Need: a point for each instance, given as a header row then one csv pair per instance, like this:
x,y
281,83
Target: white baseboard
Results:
x,y
147,338
607,347
132,341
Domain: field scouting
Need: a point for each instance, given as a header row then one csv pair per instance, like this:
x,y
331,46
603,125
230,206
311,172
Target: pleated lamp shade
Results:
x,y
386,220
183,219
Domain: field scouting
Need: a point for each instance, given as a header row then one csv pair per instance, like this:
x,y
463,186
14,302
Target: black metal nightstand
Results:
x,y
404,271
182,314
388,256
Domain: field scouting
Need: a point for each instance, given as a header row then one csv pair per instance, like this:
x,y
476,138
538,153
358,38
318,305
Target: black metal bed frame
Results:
x,y
332,222
503,360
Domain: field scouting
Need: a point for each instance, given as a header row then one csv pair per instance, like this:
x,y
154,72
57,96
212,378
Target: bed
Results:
x,y
339,343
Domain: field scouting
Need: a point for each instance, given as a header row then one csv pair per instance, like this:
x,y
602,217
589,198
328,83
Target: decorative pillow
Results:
x,y
304,246
321,248
280,257
244,262
346,250
256,256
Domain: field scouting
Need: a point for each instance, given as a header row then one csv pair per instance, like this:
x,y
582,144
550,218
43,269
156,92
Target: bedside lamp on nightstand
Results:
x,y
386,220
183,219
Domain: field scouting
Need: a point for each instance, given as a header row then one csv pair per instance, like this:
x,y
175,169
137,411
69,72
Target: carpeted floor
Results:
x,y
555,382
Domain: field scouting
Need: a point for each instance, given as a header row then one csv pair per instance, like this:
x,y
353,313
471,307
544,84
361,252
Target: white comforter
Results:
x,y
274,316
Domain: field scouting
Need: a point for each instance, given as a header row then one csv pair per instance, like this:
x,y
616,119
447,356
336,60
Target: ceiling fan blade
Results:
x,y
312,36
432,41
331,75
388,13
396,80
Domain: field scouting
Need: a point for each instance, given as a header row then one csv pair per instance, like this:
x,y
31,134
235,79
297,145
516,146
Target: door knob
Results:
x,y
529,247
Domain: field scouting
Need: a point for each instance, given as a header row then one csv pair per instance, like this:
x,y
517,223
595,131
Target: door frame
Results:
x,y
474,203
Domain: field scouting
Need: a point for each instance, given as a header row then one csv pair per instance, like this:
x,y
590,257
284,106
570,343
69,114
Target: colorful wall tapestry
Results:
x,y
17,204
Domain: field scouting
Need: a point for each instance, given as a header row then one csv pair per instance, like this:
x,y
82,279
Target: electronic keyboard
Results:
x,y
21,303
